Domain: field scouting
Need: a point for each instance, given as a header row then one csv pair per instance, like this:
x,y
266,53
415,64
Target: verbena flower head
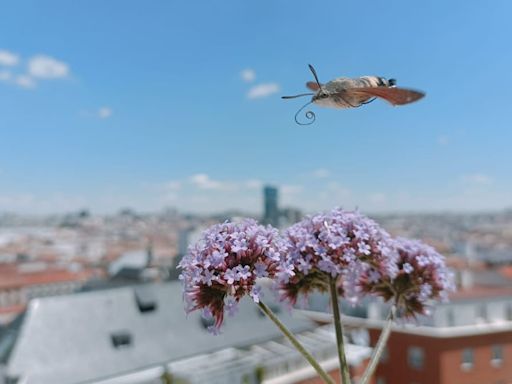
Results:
x,y
422,278
339,244
224,264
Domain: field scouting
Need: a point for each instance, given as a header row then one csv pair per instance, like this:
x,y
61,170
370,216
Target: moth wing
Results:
x,y
313,86
393,95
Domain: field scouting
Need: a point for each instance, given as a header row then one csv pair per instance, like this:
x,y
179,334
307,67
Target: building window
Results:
x,y
468,359
384,358
482,312
381,380
416,357
496,355
121,339
450,317
145,301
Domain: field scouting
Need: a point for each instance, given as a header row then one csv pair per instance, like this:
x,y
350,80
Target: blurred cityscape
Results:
x,y
105,287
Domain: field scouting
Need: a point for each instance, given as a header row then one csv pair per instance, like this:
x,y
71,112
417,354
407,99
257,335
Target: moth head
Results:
x,y
321,94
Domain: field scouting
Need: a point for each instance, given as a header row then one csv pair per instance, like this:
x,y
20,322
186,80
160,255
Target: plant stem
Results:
x,y
344,371
267,311
379,348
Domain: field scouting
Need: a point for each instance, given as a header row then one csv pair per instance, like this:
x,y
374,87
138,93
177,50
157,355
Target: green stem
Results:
x,y
344,371
267,311
379,348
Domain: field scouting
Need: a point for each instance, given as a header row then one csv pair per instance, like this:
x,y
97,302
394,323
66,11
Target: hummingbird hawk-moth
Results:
x,y
343,93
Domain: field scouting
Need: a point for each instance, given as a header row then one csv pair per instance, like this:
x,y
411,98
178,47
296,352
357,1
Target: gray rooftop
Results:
x,y
69,339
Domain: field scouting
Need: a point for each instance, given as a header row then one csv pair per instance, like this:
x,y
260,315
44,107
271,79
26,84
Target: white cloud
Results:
x,y
254,184
38,67
336,192
203,181
16,202
477,179
291,189
263,90
104,112
173,185
321,173
5,75
8,59
32,204
46,67
248,75
25,81
378,198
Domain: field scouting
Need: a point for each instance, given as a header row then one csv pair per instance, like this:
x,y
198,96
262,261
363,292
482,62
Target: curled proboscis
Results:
x,y
310,115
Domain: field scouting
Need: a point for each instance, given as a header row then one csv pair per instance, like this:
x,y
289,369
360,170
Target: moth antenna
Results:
x,y
293,97
315,75
310,115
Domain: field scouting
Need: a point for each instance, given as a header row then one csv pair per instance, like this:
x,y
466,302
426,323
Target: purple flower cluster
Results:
x,y
422,278
225,263
340,245
344,245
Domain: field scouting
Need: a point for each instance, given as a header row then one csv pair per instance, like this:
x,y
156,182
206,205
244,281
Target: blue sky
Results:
x,y
109,104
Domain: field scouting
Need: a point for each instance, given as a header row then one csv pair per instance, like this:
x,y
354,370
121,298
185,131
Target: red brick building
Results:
x,y
467,341
481,356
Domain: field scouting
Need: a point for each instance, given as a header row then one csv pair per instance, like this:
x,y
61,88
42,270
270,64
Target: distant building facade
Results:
x,y
19,283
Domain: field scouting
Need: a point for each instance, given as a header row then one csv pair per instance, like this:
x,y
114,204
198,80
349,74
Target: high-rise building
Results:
x,y
271,209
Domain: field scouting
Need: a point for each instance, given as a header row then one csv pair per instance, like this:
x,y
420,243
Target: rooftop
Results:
x,y
101,334
16,276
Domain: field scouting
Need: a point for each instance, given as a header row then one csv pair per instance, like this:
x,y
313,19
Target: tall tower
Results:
x,y
271,209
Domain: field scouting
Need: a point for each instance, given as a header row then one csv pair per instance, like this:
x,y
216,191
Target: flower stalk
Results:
x,y
379,348
267,311
344,371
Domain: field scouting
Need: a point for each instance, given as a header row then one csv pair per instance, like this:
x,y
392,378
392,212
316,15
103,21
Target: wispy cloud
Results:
x,y
321,173
34,204
8,59
46,67
477,179
248,75
203,181
173,185
5,75
39,67
25,81
100,113
104,112
253,184
263,90
378,198
443,140
289,189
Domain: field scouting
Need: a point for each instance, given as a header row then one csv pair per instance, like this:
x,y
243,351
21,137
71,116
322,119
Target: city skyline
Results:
x,y
117,105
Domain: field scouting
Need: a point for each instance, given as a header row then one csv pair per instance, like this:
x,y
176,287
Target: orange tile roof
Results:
x,y
12,309
12,278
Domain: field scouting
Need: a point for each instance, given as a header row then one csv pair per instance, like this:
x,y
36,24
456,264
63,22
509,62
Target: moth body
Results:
x,y
344,93
338,93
